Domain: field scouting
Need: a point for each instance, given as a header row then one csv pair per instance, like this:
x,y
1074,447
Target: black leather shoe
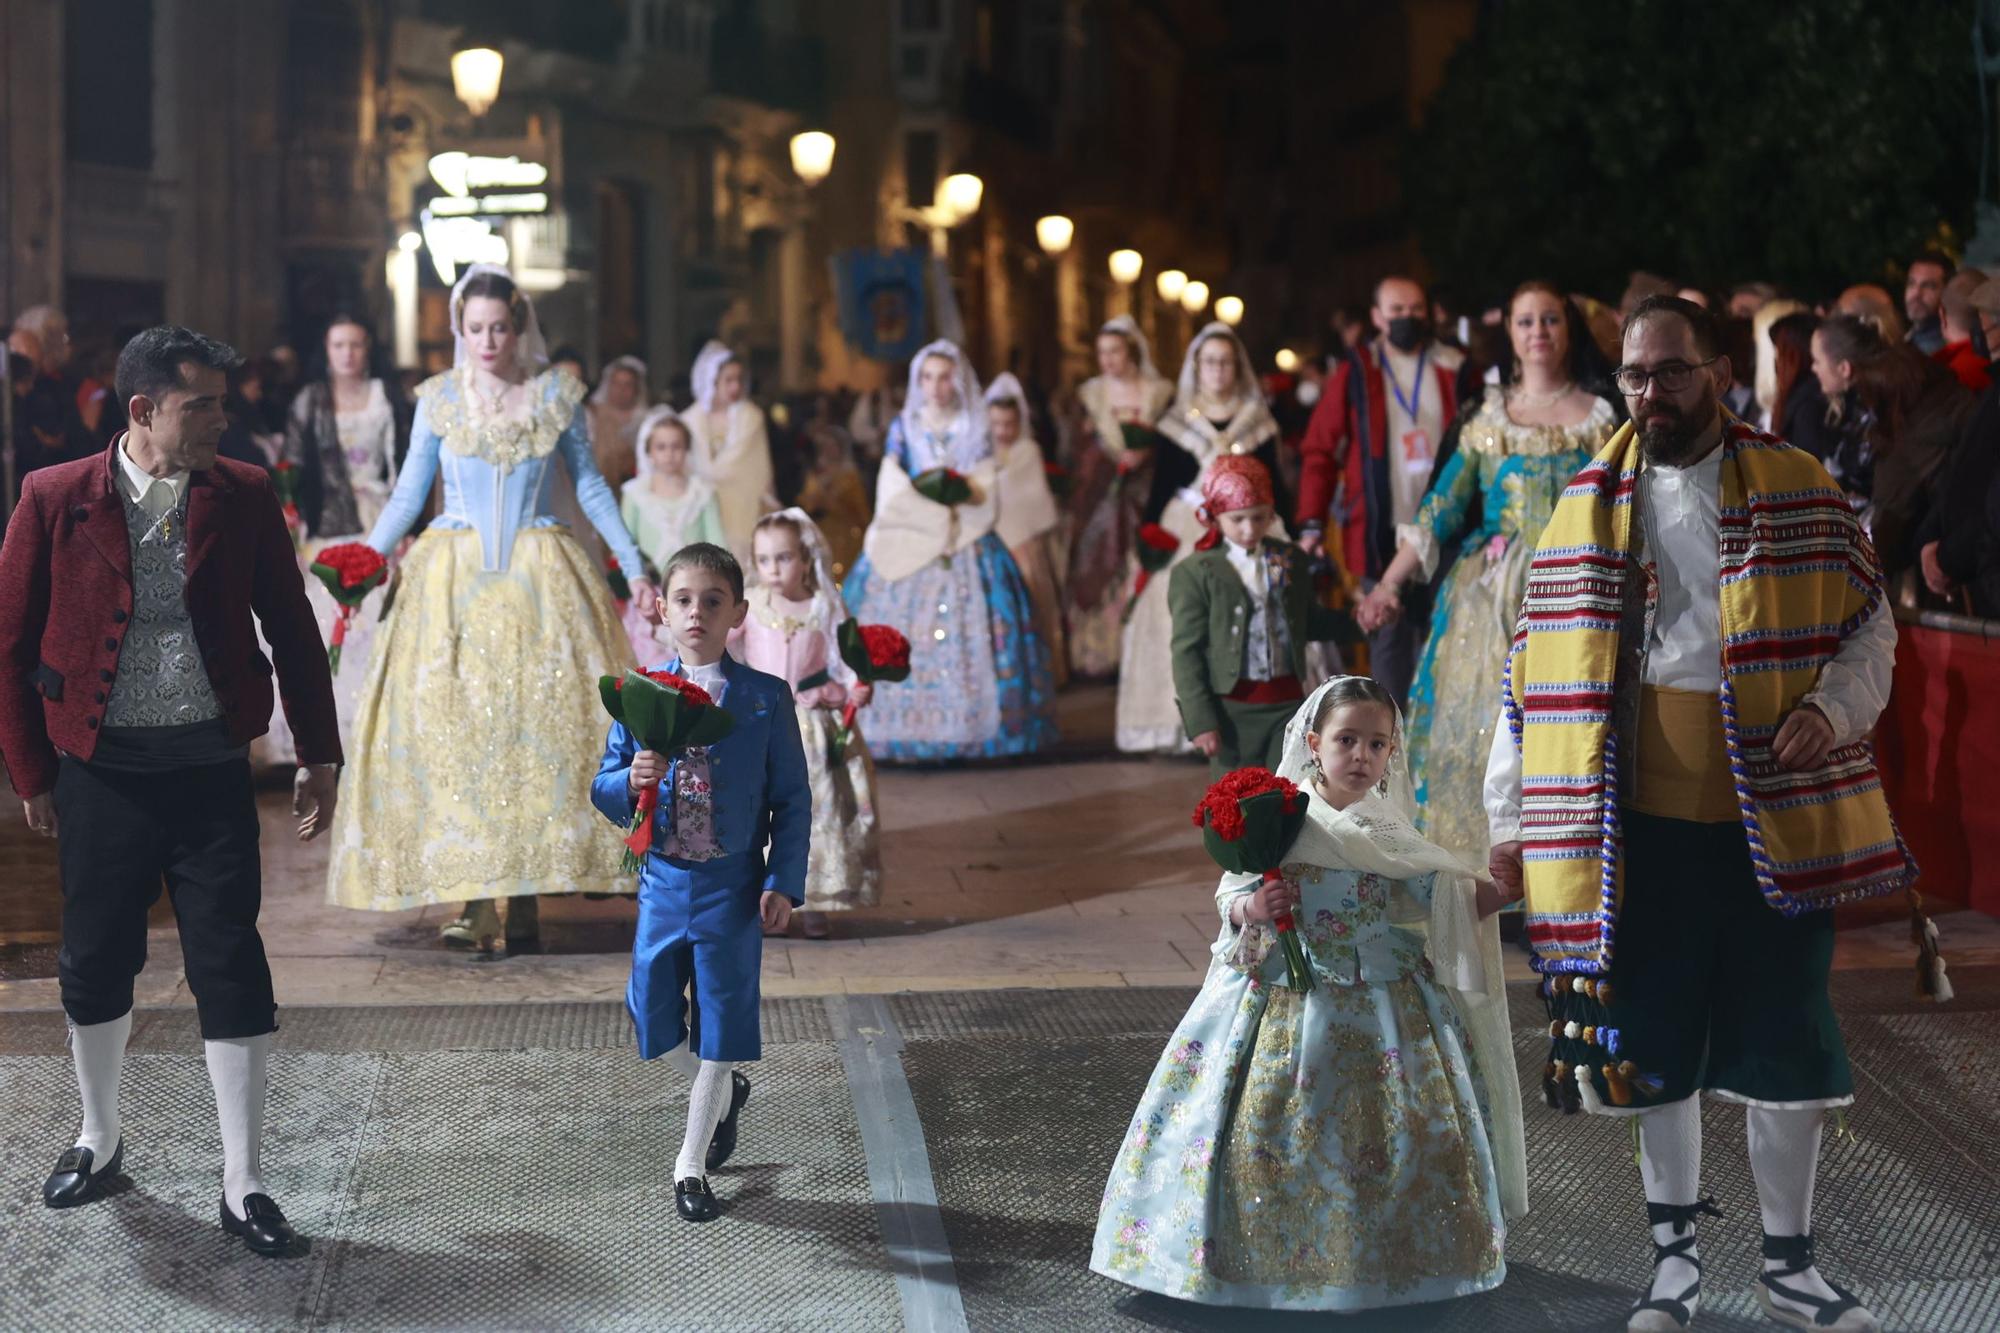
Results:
x,y
74,1181
724,1141
694,1201
262,1227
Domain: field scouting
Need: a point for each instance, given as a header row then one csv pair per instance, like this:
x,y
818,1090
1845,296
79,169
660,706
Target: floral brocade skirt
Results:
x,y
844,862
1455,698
479,731
1324,1151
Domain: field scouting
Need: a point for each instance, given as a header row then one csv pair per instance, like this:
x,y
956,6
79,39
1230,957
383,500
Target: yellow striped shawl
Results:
x,y
1798,576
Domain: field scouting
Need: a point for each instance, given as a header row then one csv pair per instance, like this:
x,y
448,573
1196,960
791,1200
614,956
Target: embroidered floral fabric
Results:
x,y
1325,1151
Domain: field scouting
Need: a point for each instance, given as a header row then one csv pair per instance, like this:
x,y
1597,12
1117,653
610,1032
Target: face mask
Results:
x,y
1308,392
1408,332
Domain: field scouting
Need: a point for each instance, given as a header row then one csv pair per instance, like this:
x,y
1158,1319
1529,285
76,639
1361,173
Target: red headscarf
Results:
x,y
1233,482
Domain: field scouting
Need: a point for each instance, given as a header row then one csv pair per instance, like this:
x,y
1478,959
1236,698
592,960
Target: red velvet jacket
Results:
x,y
1353,407
66,598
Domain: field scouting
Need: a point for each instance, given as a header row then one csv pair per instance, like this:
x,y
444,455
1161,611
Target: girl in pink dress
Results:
x,y
795,614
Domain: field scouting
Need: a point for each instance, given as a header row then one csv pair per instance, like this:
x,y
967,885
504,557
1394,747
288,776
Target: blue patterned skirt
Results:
x,y
980,685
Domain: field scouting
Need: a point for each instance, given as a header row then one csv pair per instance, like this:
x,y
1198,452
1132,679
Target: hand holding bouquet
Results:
x,y
874,653
665,714
1248,821
285,477
350,571
1156,549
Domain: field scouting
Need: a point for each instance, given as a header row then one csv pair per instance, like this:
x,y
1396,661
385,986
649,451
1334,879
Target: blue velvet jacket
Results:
x,y
761,796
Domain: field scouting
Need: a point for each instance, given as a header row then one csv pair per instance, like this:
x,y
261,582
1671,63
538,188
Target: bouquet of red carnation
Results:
x,y
874,653
285,476
1248,820
1156,549
666,714
350,571
1058,478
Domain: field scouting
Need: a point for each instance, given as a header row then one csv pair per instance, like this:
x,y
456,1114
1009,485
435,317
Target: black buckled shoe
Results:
x,y
694,1201
262,1227
723,1143
76,1179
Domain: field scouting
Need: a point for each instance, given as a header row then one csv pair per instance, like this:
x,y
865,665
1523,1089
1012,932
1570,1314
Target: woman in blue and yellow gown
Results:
x,y
980,684
479,727
1355,1146
1505,463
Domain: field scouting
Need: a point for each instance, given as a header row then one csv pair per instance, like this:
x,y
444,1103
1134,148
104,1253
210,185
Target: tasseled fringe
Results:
x,y
1580,1038
1931,978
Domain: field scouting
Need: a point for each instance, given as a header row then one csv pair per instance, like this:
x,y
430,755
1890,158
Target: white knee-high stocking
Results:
x,y
1670,1166
98,1052
1784,1157
237,1067
708,1102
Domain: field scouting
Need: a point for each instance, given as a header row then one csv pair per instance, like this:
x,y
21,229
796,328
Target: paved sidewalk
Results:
x,y
921,1161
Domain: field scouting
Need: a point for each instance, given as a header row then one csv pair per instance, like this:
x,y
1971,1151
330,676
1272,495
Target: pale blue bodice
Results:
x,y
1354,925
498,476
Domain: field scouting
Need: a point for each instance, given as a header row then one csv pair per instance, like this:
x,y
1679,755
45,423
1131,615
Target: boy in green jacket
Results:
x,y
1244,611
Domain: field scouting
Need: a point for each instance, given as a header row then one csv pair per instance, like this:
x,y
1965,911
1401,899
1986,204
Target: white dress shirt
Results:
x,y
709,677
1682,510
155,495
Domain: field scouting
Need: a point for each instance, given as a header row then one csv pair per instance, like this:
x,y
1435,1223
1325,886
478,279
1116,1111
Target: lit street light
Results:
x,y
1288,360
1054,233
1126,265
1194,297
1229,309
1170,283
475,77
812,155
958,197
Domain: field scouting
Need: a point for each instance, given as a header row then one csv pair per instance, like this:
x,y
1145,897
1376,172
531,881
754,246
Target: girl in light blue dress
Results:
x,y
981,684
1360,1144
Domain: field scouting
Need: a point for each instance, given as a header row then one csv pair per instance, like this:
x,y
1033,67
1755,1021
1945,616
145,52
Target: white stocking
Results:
x,y
236,1067
1784,1157
98,1051
682,1060
708,1102
1670,1166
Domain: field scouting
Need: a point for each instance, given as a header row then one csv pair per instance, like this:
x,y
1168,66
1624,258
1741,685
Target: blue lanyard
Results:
x,y
1416,398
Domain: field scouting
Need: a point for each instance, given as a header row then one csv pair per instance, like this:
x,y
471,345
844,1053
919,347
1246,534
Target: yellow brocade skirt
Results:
x,y
479,731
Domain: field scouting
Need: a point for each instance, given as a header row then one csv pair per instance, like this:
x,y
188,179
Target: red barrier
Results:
x,y
1939,747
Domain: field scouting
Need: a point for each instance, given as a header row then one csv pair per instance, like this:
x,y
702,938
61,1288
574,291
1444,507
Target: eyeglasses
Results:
x,y
1671,378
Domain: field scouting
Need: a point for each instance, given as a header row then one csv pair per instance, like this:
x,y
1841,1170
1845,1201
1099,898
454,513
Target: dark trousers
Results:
x,y
123,835
1711,987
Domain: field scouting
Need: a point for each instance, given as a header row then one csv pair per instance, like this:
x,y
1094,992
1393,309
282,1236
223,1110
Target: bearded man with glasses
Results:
x,y
1685,766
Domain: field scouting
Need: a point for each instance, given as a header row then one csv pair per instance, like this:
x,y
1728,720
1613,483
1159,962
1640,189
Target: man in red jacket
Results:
x,y
131,685
1368,454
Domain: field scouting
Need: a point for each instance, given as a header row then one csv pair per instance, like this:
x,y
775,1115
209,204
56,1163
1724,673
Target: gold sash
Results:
x,y
1680,764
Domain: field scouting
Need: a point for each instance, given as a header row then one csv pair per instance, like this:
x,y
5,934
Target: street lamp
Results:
x,y
475,77
1170,283
1288,360
1229,309
1194,297
1126,264
958,197
1054,233
812,155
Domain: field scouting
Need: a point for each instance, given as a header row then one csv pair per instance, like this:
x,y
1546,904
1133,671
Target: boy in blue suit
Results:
x,y
708,891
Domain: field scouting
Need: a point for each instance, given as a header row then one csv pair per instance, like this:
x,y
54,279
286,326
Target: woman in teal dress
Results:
x,y
1505,463
1358,1145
